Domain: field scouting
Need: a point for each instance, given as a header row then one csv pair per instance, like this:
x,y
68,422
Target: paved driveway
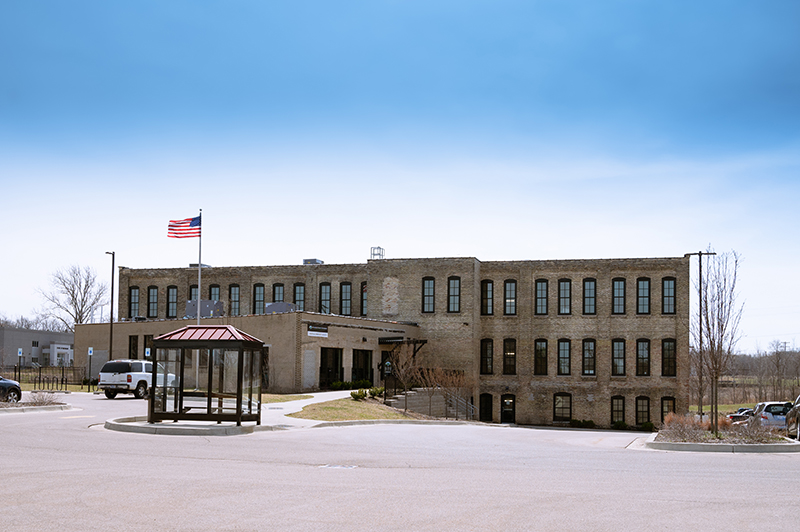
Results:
x,y
63,471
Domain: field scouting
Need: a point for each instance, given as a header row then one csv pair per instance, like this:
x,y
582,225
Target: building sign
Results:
x,y
320,331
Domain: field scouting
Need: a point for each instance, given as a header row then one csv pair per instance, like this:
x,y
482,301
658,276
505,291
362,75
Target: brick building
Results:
x,y
544,341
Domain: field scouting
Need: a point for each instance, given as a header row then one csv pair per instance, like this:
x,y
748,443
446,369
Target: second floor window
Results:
x,y
258,299
618,296
511,298
618,357
564,296
325,298
152,302
234,300
541,297
193,293
643,358
277,293
454,294
589,296
668,295
428,294
669,365
364,298
589,357
172,301
563,357
509,356
133,302
213,292
345,299
487,298
300,296
643,296
540,357
487,354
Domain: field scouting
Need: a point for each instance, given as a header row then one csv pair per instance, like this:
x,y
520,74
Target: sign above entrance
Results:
x,y
320,331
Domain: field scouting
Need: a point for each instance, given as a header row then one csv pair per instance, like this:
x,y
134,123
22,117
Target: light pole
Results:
x,y
700,323
111,306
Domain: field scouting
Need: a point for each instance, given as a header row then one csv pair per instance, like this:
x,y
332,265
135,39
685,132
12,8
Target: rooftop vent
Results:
x,y
312,261
376,253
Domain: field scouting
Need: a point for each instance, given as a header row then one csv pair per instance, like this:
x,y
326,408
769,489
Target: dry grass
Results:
x,y
349,410
686,429
278,398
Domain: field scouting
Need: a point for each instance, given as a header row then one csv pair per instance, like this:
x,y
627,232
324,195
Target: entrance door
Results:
x,y
507,409
330,366
486,407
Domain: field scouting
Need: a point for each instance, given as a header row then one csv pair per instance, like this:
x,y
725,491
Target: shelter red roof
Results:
x,y
209,333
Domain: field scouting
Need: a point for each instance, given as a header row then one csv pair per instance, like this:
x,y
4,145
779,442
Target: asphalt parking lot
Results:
x,y
64,471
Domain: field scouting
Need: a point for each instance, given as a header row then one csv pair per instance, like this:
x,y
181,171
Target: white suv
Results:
x,y
126,376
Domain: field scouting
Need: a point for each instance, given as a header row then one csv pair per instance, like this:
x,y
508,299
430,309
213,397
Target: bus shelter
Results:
x,y
206,373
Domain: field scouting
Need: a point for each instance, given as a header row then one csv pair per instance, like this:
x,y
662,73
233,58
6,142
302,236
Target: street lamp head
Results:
x,y
109,252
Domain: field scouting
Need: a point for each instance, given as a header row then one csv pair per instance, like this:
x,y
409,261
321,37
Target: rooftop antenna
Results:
x,y
376,253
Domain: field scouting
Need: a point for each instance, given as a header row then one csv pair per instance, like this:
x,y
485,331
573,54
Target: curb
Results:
x,y
391,422
139,425
29,409
790,446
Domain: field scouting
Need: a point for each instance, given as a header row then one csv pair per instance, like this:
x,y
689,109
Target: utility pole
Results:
x,y
111,307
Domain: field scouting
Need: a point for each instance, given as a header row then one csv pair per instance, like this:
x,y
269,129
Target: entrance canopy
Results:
x,y
207,373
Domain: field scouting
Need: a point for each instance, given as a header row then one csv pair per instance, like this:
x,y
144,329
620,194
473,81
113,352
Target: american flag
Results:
x,y
187,228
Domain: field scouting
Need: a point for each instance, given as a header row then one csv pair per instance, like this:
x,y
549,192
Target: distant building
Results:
x,y
544,341
38,347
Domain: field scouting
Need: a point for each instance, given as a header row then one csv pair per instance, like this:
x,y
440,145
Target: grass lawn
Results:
x,y
348,410
275,398
723,409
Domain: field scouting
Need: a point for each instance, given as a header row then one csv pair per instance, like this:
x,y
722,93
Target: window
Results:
x,y
642,358
428,292
487,298
669,364
541,297
668,295
213,292
589,357
152,302
618,296
643,296
362,365
589,296
172,302
617,409
618,357
34,343
562,407
345,299
564,296
667,407
563,357
487,352
364,298
540,357
193,292
133,347
300,296
509,356
258,299
277,293
325,298
454,294
510,308
133,301
642,410
234,299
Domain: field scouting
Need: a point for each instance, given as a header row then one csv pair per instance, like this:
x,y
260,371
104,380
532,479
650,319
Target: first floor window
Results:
x,y
300,296
487,349
234,300
509,356
589,357
325,298
172,302
618,357
152,302
562,407
642,410
669,364
667,407
345,299
563,357
540,357
617,409
643,358
258,299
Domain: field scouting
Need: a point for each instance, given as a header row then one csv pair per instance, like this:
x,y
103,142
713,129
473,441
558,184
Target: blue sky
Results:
x,y
501,130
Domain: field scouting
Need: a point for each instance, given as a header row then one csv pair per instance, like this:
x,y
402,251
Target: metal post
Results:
x,y
111,306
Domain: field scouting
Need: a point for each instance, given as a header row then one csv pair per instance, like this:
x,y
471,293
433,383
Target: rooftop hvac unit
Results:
x,y
312,261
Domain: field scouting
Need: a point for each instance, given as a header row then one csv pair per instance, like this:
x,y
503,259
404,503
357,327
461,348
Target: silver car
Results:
x,y
771,414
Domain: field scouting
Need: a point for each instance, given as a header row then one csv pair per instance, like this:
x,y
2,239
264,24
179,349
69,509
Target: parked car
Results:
x,y
743,414
9,390
771,414
129,376
793,420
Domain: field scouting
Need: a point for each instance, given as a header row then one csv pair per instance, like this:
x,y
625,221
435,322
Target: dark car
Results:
x,y
9,390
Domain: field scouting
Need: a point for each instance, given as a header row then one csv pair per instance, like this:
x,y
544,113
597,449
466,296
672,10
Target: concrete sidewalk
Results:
x,y
274,414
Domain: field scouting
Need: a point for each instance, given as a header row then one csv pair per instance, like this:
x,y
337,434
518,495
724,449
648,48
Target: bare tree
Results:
x,y
74,294
404,366
431,380
719,322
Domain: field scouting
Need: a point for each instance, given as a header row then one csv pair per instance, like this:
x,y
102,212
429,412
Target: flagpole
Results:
x,y
199,265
